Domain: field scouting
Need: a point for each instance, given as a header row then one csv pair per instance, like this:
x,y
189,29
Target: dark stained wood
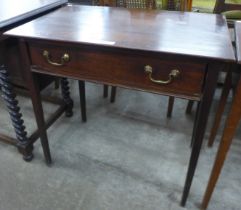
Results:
x,y
189,107
105,91
66,97
232,123
112,46
140,4
171,5
144,4
12,14
14,111
7,139
113,94
110,3
12,11
35,135
10,17
223,5
32,83
128,68
226,89
82,100
197,35
118,32
220,6
170,106
12,63
156,36
200,127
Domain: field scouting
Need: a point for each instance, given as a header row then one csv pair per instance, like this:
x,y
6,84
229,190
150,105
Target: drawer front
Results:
x,y
121,69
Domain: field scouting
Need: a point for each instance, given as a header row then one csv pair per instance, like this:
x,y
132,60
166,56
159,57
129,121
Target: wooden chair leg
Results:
x,y
83,100
113,94
228,134
170,106
226,89
189,107
105,91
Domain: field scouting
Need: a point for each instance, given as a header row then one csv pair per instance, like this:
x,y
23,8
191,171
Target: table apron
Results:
x,y
120,68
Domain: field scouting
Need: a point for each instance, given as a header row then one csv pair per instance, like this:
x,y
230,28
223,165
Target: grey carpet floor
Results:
x,y
128,156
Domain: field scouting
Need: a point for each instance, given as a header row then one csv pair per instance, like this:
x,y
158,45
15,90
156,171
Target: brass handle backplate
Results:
x,y
172,75
64,59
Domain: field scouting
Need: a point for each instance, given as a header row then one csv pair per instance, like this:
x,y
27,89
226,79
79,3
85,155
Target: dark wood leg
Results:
x,y
9,97
32,84
202,117
82,100
105,91
113,94
228,134
226,88
194,126
170,106
66,97
56,83
189,107
38,110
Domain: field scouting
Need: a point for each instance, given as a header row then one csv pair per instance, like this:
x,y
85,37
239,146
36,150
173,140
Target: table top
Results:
x,y
12,11
238,40
184,33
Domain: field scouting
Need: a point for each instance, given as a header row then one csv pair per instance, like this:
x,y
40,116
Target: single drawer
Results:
x,y
121,68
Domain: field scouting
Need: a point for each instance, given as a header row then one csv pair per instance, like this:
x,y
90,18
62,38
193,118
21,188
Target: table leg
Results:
x,y
189,7
202,117
105,91
113,94
189,107
83,100
32,84
170,106
66,96
195,125
226,88
228,134
38,110
9,97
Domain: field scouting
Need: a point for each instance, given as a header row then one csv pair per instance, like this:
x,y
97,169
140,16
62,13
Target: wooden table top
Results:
x,y
238,40
12,11
184,33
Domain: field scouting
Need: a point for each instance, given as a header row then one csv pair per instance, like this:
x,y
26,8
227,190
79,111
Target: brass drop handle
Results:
x,y
64,59
172,75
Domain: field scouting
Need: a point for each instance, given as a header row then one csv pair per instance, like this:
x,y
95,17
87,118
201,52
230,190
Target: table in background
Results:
x,y
229,129
130,48
14,13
